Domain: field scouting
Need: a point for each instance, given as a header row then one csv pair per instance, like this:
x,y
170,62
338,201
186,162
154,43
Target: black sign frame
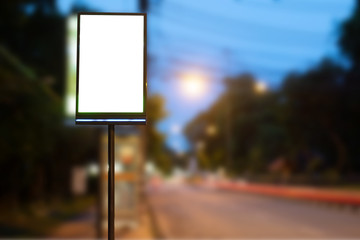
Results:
x,y
107,118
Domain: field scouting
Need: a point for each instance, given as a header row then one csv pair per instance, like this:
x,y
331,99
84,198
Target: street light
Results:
x,y
193,84
260,87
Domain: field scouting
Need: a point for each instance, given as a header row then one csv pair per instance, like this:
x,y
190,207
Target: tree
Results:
x,y
350,36
36,151
156,140
315,114
248,133
26,26
311,121
30,120
349,44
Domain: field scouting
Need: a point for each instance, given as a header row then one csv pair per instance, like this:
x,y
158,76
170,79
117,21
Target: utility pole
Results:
x,y
228,133
228,113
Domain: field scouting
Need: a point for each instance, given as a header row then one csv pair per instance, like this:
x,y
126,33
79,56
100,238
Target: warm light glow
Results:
x,y
260,87
193,85
93,169
200,144
111,64
211,130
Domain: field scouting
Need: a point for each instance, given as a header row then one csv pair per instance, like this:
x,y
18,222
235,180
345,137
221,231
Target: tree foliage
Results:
x,y
37,150
156,140
308,125
350,36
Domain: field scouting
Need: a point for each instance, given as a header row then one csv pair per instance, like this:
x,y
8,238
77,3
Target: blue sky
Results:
x,y
219,38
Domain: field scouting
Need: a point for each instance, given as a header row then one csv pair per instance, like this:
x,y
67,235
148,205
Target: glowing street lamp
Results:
x,y
193,85
260,87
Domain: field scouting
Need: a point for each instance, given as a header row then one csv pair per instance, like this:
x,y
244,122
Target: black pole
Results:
x,y
111,183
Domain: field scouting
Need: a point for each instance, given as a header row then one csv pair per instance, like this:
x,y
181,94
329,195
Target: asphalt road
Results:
x,y
190,212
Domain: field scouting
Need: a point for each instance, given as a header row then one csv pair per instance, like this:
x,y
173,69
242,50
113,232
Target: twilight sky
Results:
x,y
212,39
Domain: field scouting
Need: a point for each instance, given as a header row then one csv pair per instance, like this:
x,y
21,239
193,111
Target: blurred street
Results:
x,y
252,112
183,211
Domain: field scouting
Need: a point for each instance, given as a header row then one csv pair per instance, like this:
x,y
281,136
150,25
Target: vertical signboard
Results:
x,y
111,68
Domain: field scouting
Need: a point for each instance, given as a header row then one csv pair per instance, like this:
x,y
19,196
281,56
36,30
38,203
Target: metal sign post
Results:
x,y
111,79
111,182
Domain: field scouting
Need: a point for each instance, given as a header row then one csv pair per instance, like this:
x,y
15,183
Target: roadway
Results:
x,y
182,211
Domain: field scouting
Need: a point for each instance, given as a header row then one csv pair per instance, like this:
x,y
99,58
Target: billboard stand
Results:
x,y
111,79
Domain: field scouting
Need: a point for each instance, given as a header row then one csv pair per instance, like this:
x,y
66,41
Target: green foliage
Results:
x,y
311,122
349,44
304,122
156,140
36,149
29,121
34,31
350,36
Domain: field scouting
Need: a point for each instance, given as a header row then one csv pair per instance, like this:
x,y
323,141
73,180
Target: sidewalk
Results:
x,y
83,226
145,228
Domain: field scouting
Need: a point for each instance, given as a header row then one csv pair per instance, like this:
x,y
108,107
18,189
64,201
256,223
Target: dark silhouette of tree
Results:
x,y
350,36
156,140
349,44
315,111
33,30
37,150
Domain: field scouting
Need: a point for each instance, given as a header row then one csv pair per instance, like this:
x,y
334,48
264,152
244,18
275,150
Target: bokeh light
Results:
x,y
193,85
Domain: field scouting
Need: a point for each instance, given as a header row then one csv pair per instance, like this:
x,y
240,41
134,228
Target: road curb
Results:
x,y
300,193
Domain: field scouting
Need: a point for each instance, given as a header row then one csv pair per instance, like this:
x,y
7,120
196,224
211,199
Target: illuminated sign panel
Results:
x,y
111,68
70,94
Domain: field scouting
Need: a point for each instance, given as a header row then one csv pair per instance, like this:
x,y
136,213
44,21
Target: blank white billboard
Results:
x,y
111,65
